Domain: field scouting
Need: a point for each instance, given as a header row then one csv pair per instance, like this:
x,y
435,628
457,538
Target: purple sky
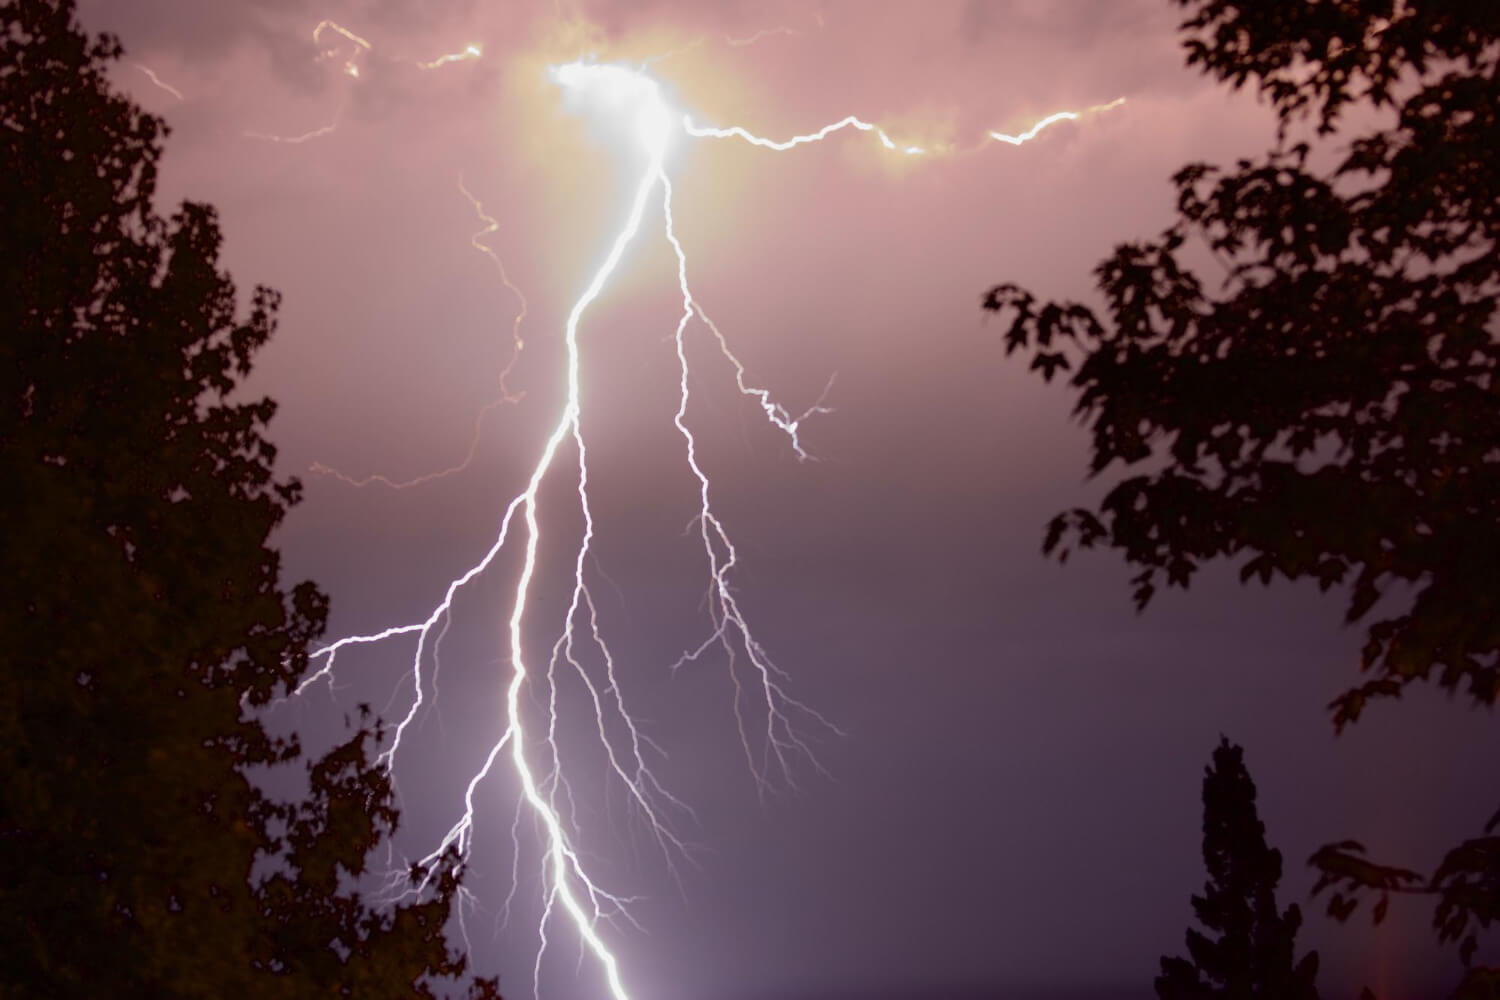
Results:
x,y
1015,801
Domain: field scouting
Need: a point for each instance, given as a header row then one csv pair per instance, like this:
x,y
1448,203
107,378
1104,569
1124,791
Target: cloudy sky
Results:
x,y
1012,809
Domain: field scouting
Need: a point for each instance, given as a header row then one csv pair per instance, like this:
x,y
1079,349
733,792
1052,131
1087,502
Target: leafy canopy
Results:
x,y
1329,409
144,615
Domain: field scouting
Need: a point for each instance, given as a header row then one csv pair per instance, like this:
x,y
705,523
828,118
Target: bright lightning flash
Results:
x,y
626,92
633,98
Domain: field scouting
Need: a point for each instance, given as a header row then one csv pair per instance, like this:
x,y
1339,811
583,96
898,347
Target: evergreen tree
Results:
x,y
143,614
1249,950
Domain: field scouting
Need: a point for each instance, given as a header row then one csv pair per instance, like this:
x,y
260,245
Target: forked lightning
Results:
x,y
533,755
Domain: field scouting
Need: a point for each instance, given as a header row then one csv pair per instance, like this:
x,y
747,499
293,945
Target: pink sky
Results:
x,y
1017,799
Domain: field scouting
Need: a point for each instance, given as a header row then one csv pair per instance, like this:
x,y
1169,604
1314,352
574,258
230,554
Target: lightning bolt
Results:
x,y
757,36
854,122
464,55
351,64
1061,116
326,25
478,242
360,46
158,81
294,140
570,892
570,889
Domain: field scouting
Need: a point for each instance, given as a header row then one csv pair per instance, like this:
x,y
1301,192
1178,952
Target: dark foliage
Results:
x,y
143,614
1332,411
1466,884
1252,953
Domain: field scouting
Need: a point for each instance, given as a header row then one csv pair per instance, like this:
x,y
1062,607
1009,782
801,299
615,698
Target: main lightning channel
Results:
x,y
568,886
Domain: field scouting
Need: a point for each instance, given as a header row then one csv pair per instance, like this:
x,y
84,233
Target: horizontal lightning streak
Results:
x,y
737,132
294,140
467,53
853,121
760,35
1031,133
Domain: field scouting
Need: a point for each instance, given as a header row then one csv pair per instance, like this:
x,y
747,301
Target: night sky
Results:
x,y
1013,809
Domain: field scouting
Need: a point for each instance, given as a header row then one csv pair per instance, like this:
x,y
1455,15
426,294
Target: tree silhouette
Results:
x,y
143,616
1332,411
1252,953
